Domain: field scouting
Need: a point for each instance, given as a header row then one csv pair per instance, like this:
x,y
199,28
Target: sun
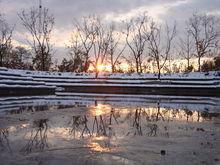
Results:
x,y
103,68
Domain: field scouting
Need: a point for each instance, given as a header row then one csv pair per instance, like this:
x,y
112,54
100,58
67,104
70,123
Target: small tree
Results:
x,y
39,24
5,41
205,32
207,66
217,63
78,55
20,58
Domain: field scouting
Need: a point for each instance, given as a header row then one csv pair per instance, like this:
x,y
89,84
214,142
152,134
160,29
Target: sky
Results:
x,y
65,11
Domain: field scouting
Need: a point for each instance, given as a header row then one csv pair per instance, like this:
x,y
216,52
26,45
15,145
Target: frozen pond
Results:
x,y
108,131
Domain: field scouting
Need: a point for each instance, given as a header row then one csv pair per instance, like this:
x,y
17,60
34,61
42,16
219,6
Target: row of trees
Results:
x,y
39,25
137,41
142,38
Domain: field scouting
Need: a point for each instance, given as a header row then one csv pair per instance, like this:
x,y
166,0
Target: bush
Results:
x,y
208,66
189,69
217,63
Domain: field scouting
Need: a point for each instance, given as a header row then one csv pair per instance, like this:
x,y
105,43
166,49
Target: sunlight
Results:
x,y
101,109
101,67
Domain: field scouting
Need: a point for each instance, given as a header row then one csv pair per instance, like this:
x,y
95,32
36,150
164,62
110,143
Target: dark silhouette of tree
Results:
x,y
159,50
136,40
114,50
5,41
186,48
39,23
20,58
205,32
78,56
94,39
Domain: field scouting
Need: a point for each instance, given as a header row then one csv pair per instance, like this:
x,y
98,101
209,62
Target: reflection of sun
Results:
x,y
99,148
101,109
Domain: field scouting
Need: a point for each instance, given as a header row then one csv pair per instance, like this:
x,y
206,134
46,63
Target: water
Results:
x,y
109,131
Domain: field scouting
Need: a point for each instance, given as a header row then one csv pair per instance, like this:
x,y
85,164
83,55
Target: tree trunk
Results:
x,y
96,74
159,74
1,60
113,68
188,63
199,63
137,66
159,69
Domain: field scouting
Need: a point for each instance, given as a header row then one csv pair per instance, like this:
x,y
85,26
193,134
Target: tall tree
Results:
x,y
39,23
83,39
205,31
101,44
186,47
95,38
5,40
136,40
115,51
160,46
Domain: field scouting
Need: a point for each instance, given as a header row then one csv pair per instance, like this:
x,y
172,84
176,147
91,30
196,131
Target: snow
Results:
x,y
31,79
69,75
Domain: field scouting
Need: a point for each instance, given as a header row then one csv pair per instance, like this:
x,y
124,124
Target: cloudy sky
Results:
x,y
65,11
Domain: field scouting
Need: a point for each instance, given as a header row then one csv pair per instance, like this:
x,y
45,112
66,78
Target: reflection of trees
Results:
x,y
153,129
99,125
79,123
137,122
209,116
4,141
141,117
38,108
38,138
102,125
23,109
142,121
188,114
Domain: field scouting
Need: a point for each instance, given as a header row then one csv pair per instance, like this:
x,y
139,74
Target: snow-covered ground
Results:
x,y
43,74
33,79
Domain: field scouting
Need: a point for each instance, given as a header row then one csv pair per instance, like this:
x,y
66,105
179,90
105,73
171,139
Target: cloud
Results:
x,y
111,10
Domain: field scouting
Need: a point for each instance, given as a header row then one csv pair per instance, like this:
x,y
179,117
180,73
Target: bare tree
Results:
x,y
159,50
94,39
5,40
136,40
186,47
79,57
83,39
40,24
100,45
205,32
114,50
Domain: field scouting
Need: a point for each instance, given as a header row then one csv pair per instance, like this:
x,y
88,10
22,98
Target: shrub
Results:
x,y
208,66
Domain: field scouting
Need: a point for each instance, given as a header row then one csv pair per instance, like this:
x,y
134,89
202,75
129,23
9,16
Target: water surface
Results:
x,y
108,132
